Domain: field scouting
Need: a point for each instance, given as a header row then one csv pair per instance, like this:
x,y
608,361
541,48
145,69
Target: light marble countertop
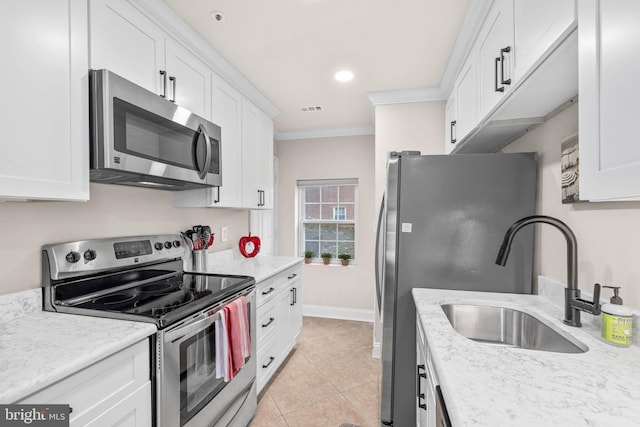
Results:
x,y
260,267
487,385
39,348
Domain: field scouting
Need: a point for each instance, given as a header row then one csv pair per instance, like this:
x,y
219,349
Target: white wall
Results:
x,y
112,211
608,234
336,286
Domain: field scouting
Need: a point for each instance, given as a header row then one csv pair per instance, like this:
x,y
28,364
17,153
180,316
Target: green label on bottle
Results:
x,y
616,329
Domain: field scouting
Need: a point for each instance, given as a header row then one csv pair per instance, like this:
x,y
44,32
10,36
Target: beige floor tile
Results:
x,y
267,409
330,379
325,413
292,391
273,422
365,399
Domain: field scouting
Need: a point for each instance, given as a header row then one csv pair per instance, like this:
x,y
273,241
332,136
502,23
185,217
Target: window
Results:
x,y
328,213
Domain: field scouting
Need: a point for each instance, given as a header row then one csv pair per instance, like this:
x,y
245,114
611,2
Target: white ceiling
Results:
x,y
290,50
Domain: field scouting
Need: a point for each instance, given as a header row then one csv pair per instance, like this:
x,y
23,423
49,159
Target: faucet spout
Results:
x,y
573,303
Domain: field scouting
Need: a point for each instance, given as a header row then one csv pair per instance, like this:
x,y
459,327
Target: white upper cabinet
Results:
x,y
189,80
126,42
523,65
495,53
537,25
227,113
450,113
44,153
257,158
609,37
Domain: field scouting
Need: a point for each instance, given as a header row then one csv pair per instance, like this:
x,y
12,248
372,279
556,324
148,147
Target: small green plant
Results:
x,y
344,256
309,254
326,257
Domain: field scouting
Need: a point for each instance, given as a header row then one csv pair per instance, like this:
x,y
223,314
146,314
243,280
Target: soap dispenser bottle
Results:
x,y
617,320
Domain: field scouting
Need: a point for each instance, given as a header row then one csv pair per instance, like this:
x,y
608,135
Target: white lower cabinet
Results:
x,y
426,383
279,320
113,392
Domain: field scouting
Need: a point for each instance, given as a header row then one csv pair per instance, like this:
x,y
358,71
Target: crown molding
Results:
x,y
405,96
471,23
173,25
324,133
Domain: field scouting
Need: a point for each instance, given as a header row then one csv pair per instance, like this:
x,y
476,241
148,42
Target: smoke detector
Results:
x,y
218,16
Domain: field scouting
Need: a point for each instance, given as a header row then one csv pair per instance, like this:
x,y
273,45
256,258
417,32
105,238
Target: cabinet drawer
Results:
x,y
267,322
266,291
267,359
95,389
288,276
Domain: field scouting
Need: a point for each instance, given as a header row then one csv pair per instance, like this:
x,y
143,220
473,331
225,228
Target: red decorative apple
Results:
x,y
249,246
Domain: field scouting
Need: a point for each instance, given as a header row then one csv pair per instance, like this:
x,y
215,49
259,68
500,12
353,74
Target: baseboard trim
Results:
x,y
357,314
377,350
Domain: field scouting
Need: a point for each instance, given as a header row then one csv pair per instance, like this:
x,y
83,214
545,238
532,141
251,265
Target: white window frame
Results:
x,y
302,184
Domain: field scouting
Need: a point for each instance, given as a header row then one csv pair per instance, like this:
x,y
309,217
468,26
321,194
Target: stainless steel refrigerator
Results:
x,y
444,220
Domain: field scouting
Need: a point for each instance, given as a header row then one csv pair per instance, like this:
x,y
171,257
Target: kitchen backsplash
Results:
x,y
112,211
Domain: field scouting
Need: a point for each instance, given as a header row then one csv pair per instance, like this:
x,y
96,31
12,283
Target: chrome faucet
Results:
x,y
573,304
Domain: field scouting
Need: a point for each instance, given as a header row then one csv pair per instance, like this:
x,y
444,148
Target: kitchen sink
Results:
x,y
509,327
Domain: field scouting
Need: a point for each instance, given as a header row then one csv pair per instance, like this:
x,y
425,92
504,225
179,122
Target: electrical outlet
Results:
x,y
223,233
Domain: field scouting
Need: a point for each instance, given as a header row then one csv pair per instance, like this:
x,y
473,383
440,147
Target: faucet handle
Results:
x,y
592,307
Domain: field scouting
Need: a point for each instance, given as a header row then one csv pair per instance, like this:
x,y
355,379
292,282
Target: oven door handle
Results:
x,y
192,327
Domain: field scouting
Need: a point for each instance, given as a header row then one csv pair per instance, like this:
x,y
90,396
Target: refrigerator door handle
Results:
x,y
379,246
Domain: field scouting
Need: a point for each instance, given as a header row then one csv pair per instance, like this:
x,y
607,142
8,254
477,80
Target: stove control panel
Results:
x,y
88,256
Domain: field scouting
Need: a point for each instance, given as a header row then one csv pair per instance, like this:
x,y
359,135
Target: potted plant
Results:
x,y
344,259
307,256
326,258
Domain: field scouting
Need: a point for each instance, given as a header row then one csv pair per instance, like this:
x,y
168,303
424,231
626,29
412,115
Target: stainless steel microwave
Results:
x,y
141,139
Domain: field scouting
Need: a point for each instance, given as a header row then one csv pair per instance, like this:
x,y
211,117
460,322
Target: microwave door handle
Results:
x,y
207,163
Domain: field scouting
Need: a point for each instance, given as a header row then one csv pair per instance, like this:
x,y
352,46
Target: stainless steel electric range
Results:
x,y
142,279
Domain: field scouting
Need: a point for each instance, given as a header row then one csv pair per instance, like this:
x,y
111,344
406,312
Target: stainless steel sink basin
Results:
x,y
508,327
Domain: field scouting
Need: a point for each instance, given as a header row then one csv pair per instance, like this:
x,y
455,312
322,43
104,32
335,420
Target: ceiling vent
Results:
x,y
312,109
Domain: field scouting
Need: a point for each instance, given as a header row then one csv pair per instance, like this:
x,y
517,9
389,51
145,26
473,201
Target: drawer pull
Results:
x,y
292,276
269,291
271,319
271,359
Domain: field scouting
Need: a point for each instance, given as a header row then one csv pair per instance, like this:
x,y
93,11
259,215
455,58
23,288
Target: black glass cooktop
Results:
x,y
162,301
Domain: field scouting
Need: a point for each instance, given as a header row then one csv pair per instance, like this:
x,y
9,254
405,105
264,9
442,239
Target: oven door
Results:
x,y
189,394
135,131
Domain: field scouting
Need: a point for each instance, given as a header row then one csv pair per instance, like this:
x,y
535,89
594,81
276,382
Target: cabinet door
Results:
x,y
609,42
496,37
450,123
132,411
285,326
296,312
265,160
227,113
127,43
537,25
189,80
44,152
251,197
466,89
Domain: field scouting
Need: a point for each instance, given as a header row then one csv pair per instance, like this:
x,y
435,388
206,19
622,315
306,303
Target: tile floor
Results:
x,y
328,380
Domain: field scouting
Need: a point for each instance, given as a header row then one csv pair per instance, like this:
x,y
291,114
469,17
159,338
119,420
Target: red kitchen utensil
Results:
x,y
249,246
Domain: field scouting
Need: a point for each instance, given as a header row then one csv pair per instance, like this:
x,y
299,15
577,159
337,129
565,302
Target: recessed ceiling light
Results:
x,y
343,76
